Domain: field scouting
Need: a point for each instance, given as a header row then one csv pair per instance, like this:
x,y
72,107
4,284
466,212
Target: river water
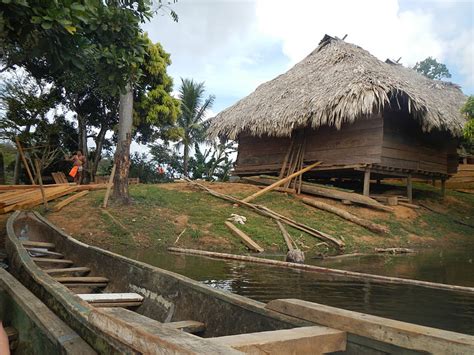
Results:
x,y
436,308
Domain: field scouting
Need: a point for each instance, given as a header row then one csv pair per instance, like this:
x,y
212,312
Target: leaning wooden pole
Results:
x,y
249,242
109,186
40,181
281,182
326,271
374,227
25,162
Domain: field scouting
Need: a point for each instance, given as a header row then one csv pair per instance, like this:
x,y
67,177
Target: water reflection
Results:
x,y
436,308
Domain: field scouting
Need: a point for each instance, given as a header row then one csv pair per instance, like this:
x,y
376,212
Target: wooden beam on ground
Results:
x,y
409,188
265,211
245,238
68,200
301,340
374,227
366,191
281,182
405,335
25,162
109,187
326,271
394,250
286,236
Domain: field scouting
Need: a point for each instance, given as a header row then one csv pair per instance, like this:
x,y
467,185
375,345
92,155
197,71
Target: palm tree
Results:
x,y
191,121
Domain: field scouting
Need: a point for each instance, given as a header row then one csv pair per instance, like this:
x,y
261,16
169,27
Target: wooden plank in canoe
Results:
x,y
41,252
32,243
116,304
405,335
53,261
188,326
111,297
304,340
69,270
86,285
81,279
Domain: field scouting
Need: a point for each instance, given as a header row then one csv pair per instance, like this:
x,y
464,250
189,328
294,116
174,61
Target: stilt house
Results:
x,y
358,115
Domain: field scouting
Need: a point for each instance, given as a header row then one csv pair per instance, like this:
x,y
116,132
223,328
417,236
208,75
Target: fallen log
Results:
x,y
262,210
281,182
374,227
326,271
294,254
395,250
309,189
249,242
68,200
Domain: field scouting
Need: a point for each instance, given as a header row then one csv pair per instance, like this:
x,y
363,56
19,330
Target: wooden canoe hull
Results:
x,y
167,297
40,331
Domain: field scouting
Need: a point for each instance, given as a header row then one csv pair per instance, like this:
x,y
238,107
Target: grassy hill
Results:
x,y
162,212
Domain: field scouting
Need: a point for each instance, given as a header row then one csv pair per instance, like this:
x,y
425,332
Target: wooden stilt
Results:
x,y
409,189
366,190
109,187
433,181
443,187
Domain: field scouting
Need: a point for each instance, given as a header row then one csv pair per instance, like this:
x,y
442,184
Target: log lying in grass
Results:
x,y
316,190
326,271
68,200
374,227
249,242
395,250
262,210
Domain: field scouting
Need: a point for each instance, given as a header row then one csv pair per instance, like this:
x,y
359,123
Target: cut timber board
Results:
x,y
111,297
68,200
405,335
145,334
53,261
245,238
304,340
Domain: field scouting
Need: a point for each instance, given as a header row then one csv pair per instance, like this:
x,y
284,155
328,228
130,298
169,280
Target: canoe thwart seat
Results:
x,y
52,261
304,340
12,335
81,279
124,300
34,244
70,270
188,326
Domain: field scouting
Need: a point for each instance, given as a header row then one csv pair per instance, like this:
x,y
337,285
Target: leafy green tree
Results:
x,y
468,111
190,124
432,69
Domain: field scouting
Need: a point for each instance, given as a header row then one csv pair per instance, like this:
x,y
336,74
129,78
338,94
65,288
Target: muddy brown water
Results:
x,y
435,308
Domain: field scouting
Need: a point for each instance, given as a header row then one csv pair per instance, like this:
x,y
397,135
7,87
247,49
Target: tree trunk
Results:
x,y
2,169
185,159
99,142
122,153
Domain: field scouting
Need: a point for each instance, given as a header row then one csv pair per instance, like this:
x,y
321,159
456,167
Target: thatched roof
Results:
x,y
340,82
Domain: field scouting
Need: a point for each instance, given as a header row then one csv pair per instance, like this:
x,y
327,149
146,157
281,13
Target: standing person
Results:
x,y
78,161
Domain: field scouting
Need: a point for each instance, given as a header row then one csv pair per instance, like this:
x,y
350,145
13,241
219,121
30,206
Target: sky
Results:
x,y
235,45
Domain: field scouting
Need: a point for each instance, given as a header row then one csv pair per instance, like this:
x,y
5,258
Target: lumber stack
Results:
x,y
21,197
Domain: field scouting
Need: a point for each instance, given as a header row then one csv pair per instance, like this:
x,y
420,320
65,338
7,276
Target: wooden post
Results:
x,y
281,182
443,187
109,186
25,162
433,182
40,181
366,191
409,189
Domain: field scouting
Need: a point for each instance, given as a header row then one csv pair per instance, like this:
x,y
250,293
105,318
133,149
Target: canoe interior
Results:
x,y
39,330
168,297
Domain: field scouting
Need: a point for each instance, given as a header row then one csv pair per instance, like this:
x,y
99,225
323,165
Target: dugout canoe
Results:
x,y
31,327
119,305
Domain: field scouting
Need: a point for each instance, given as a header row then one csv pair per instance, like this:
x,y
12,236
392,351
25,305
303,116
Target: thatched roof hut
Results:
x,y
343,106
340,83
